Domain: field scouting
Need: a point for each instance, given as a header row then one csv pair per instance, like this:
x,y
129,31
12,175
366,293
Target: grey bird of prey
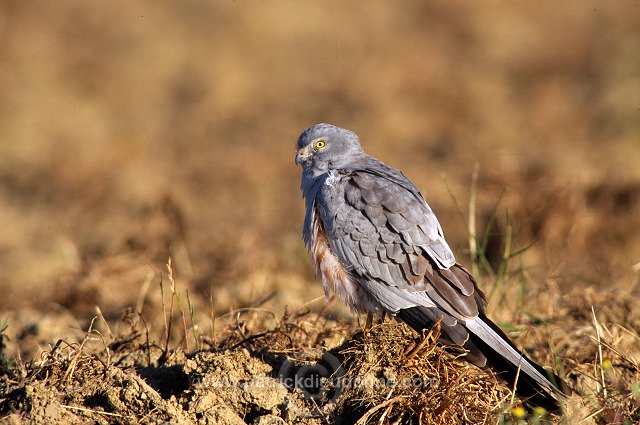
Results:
x,y
377,244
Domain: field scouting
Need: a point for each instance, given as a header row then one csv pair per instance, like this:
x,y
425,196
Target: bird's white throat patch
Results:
x,y
332,178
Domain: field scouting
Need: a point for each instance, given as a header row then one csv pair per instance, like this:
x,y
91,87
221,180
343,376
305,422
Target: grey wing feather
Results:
x,y
487,334
382,230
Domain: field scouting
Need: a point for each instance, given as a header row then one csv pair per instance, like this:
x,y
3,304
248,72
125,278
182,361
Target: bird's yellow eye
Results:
x,y
320,144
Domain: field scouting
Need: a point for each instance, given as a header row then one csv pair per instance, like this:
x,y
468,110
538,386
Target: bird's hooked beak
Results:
x,y
303,155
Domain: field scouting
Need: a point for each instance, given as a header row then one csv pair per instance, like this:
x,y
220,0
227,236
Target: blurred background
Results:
x,y
134,130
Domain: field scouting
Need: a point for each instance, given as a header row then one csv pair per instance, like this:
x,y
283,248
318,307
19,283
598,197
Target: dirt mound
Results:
x,y
304,370
255,367
290,374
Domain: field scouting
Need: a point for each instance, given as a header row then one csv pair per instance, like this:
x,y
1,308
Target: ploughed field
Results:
x,y
152,265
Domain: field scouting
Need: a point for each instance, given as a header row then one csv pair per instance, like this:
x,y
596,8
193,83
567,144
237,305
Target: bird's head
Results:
x,y
325,147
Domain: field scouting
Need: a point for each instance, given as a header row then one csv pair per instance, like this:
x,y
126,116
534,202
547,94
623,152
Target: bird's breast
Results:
x,y
335,276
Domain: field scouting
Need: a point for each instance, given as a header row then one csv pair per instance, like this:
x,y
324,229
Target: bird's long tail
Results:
x,y
490,348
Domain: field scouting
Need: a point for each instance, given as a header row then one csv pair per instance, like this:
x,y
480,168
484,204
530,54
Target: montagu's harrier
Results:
x,y
377,244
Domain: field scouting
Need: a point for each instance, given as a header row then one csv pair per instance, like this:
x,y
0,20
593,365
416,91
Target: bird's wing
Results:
x,y
386,233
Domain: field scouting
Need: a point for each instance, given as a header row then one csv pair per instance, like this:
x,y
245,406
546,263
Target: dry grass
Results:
x,y
404,379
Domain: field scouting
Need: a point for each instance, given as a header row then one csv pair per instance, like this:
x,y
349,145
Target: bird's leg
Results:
x,y
383,317
326,307
369,323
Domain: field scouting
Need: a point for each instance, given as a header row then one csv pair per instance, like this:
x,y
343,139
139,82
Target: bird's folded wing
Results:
x,y
385,233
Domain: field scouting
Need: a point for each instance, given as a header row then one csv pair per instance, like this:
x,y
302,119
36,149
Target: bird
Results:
x,y
377,244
